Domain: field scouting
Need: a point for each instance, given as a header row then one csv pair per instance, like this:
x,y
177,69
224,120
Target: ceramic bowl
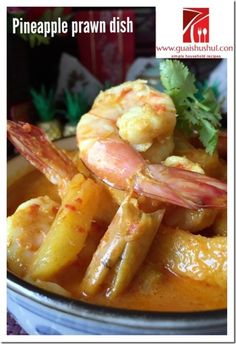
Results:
x,y
44,313
41,312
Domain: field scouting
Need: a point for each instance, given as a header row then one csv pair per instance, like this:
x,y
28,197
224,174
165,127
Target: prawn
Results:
x,y
70,228
113,137
26,231
123,123
33,144
65,239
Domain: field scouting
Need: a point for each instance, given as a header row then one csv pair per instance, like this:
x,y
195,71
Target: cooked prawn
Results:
x,y
124,123
69,230
26,230
66,238
33,144
126,120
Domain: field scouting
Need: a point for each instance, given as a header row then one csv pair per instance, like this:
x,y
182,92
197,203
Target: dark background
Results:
x,y
30,67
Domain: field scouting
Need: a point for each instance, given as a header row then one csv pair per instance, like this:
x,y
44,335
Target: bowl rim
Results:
x,y
75,307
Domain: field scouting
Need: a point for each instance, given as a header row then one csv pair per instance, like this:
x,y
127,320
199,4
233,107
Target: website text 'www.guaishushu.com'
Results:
x,y
182,51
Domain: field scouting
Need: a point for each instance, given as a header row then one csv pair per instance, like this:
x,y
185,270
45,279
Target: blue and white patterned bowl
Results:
x,y
44,313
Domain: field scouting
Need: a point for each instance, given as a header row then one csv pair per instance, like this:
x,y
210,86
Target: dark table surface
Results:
x,y
12,327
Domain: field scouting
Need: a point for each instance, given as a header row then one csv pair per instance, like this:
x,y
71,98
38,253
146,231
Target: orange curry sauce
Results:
x,y
152,289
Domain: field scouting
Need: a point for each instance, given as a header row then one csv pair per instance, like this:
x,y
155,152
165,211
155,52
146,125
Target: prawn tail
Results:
x,y
180,187
32,143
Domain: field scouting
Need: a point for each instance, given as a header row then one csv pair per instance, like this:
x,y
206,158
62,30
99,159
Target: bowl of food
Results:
x,y
125,234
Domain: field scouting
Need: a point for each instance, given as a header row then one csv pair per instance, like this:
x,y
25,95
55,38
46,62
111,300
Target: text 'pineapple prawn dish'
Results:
x,y
135,217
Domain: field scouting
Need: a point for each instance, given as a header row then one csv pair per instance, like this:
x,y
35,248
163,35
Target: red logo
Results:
x,y
196,25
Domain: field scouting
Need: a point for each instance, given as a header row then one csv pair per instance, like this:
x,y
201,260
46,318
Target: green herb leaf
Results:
x,y
197,109
175,78
208,136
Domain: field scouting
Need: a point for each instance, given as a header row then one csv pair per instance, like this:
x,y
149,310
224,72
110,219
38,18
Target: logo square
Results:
x,y
196,25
